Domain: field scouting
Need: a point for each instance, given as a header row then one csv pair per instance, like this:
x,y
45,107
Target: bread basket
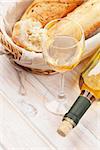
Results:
x,y
34,62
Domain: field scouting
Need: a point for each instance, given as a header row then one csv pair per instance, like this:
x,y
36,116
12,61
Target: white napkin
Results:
x,y
35,60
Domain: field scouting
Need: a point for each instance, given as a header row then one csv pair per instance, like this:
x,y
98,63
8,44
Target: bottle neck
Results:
x,y
80,106
78,109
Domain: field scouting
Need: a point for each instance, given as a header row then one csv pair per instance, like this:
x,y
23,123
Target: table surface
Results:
x,y
15,133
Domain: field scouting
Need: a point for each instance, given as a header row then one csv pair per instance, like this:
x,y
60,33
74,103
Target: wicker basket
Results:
x,y
31,60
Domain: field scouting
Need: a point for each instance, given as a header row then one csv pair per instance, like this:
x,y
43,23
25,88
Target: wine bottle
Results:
x,y
90,91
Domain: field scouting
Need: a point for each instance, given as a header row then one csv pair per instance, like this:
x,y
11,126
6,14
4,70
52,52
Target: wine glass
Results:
x,y
63,45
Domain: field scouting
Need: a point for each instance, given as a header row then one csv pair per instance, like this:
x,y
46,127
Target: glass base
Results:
x,y
56,107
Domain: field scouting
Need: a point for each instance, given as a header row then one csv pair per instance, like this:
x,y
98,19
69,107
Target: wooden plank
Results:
x,y
14,132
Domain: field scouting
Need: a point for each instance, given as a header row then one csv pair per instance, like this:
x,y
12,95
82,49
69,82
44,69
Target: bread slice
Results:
x,y
87,15
28,35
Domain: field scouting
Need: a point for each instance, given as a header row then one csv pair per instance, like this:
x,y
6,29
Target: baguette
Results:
x,y
87,15
47,10
27,33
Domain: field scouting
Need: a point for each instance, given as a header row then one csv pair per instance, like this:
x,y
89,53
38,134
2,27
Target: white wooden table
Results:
x,y
17,134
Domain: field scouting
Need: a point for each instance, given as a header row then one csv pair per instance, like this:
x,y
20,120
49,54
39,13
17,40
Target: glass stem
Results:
x,y
61,92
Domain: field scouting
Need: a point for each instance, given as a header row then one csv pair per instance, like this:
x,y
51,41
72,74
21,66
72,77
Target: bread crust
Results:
x,y
47,10
87,15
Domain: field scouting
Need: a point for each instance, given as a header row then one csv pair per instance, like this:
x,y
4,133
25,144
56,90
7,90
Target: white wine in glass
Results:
x,y
62,50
